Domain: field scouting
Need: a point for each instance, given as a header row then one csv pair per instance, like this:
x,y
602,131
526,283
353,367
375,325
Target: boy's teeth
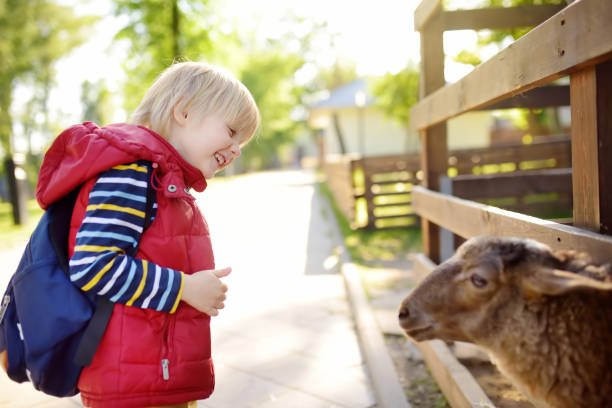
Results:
x,y
219,159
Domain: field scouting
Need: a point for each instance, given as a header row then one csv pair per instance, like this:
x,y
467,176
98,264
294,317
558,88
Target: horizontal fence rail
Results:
x,y
468,219
576,37
375,192
542,193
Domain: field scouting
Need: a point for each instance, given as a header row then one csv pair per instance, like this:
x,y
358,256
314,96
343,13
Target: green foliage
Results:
x,y
97,103
369,247
487,37
161,32
498,36
467,57
269,77
397,93
35,34
536,122
270,71
340,73
12,235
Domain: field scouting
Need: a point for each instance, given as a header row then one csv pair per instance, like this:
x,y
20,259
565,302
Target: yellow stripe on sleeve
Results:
x,y
141,285
132,166
179,295
97,248
113,207
98,276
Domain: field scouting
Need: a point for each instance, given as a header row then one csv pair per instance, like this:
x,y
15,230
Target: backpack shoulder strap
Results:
x,y
104,307
60,214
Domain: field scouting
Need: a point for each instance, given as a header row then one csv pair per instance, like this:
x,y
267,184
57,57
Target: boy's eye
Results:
x,y
231,131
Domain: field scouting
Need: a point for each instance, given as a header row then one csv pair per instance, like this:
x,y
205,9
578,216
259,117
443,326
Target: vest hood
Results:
x,y
82,151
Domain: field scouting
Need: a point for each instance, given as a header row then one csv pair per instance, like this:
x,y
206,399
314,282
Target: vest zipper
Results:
x,y
165,370
165,362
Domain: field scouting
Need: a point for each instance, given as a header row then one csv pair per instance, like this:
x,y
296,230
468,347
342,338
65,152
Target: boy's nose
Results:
x,y
235,150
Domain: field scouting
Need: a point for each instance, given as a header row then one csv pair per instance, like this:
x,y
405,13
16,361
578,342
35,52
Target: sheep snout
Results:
x,y
414,323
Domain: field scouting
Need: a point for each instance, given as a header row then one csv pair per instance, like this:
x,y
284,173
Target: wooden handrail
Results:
x,y
576,37
425,10
496,18
468,219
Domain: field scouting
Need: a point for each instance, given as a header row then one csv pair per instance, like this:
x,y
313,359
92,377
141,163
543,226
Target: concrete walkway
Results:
x,y
286,337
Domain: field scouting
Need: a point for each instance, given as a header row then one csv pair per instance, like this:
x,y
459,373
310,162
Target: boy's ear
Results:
x,y
179,114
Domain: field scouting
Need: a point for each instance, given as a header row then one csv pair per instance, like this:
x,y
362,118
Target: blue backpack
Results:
x,y
49,328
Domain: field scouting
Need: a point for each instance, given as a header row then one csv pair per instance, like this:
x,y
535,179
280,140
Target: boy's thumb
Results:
x,y
220,273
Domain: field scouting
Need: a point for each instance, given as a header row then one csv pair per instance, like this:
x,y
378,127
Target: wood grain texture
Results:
x,y
576,37
499,17
469,219
585,152
424,12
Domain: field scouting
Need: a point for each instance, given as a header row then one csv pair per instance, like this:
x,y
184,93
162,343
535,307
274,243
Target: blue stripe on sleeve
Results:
x,y
142,199
111,235
126,285
164,298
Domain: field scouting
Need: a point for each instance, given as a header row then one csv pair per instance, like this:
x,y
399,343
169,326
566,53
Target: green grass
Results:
x,y
366,247
12,235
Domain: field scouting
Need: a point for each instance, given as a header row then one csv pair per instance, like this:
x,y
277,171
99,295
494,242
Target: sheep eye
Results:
x,y
478,281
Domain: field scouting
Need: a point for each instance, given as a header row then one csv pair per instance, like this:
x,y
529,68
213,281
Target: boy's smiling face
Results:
x,y
207,143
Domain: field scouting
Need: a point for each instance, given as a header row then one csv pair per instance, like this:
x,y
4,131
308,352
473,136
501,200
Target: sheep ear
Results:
x,y
545,281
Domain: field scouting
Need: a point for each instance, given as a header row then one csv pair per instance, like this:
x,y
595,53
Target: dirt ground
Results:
x,y
422,390
385,288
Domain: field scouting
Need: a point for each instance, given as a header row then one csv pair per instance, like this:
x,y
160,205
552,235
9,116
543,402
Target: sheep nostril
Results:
x,y
403,313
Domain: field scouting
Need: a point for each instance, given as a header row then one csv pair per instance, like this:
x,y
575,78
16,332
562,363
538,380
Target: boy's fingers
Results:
x,y
220,273
212,312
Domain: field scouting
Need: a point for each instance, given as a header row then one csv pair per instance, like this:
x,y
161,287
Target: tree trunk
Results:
x,y
176,50
5,117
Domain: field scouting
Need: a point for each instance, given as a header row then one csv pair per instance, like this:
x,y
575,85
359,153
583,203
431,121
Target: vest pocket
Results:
x,y
190,336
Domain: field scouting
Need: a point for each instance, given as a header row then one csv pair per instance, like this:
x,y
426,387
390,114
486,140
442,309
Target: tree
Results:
x,y
35,34
271,72
537,121
269,77
161,32
397,93
97,104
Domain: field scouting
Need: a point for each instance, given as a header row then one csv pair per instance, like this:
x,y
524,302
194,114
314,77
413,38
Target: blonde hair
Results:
x,y
202,89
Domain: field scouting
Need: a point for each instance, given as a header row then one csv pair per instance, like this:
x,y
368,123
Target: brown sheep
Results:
x,y
544,317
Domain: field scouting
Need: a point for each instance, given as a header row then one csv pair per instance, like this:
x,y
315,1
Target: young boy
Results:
x,y
190,124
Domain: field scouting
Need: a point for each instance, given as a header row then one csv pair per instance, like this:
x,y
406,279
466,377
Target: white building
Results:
x,y
366,130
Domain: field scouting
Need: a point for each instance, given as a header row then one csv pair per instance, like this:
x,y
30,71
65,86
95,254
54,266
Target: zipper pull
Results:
x,y
165,370
5,302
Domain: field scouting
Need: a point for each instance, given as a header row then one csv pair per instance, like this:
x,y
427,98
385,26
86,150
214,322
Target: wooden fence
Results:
x,y
577,42
375,192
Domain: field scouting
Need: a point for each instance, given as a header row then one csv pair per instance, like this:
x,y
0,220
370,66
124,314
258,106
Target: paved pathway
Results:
x,y
286,337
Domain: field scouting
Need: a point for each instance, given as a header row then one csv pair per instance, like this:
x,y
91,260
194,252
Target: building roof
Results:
x,y
344,96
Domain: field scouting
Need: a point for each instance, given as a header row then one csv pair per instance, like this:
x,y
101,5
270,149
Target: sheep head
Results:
x,y
488,281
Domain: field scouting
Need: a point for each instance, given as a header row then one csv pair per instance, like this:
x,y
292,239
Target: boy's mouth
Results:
x,y
220,159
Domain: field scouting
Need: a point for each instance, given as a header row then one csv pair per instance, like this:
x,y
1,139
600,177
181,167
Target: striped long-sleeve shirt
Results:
x,y
112,225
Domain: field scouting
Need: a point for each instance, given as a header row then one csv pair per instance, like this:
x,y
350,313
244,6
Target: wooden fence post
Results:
x,y
434,149
591,104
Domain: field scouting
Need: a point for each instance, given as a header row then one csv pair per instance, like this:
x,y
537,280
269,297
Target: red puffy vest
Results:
x,y
145,358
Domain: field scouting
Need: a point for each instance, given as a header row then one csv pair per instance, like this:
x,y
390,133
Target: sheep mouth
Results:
x,y
420,333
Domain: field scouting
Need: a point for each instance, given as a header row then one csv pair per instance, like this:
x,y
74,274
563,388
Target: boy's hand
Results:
x,y
204,290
